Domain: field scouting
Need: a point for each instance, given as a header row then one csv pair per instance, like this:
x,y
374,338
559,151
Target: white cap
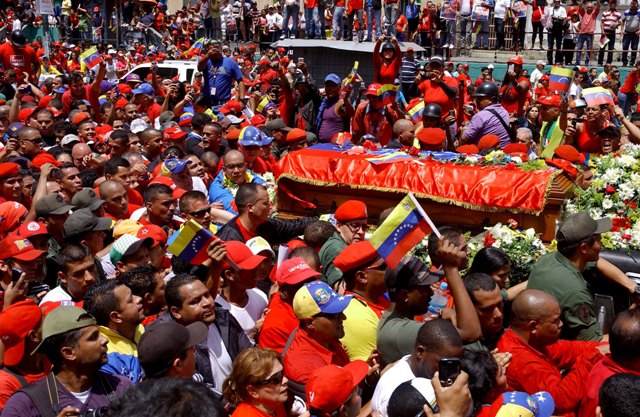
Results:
x,y
541,62
111,52
138,125
259,244
233,119
490,66
67,139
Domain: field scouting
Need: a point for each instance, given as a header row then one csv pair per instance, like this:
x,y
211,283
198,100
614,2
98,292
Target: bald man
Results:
x,y
403,134
234,173
84,158
116,204
539,357
29,142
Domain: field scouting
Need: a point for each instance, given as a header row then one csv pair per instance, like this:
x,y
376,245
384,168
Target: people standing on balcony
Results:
x,y
499,15
609,21
630,28
555,17
536,21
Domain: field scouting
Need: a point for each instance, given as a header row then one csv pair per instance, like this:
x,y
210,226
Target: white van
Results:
x,y
185,70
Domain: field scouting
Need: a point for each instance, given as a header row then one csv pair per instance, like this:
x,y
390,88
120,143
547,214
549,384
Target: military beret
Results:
x,y
356,255
8,169
351,210
569,153
468,149
488,141
432,136
516,148
296,134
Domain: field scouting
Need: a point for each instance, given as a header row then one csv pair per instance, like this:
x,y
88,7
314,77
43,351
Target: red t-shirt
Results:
x,y
247,410
434,94
9,384
513,100
388,73
153,111
20,59
68,99
246,234
630,82
278,325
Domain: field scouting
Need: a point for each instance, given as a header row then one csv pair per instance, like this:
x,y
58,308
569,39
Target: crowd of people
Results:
x,y
443,28
97,172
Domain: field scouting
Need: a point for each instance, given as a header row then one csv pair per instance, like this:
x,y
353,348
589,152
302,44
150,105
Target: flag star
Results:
x,y
340,298
541,398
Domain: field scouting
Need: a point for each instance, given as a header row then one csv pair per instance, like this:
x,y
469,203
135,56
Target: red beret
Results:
x,y
121,103
80,117
233,134
44,158
43,103
432,136
296,134
515,148
124,89
488,141
351,210
103,129
468,149
569,153
355,256
8,169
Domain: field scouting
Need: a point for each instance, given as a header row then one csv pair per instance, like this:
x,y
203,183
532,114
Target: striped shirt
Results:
x,y
610,20
409,70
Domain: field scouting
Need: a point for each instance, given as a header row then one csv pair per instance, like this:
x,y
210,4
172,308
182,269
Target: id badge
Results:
x,y
213,91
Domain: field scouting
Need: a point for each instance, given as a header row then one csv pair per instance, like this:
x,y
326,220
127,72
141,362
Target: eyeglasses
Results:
x,y
36,140
275,379
234,166
199,213
354,227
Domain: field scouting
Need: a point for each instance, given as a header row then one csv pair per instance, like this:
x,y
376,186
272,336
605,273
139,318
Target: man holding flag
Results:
x,y
376,116
584,135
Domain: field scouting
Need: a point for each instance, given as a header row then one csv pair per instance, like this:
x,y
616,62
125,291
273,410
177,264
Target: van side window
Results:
x,y
190,75
167,72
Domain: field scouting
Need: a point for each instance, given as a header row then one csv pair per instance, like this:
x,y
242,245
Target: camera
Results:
x,y
95,412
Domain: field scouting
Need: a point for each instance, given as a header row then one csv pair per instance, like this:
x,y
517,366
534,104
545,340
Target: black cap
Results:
x,y
52,204
82,221
581,226
162,342
410,273
87,198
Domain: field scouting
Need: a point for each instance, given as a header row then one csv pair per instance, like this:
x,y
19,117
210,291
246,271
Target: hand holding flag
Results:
x,y
597,96
560,79
407,225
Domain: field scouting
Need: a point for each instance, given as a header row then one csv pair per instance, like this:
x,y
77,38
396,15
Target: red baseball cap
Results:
x,y
177,192
329,387
16,322
17,247
154,232
293,271
239,254
174,133
32,228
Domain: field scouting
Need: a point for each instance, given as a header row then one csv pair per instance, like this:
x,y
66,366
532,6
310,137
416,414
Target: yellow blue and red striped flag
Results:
x,y
91,57
416,111
597,96
190,243
388,93
560,79
407,225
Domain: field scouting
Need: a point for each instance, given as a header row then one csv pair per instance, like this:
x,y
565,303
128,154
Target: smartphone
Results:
x,y
452,112
449,371
574,122
300,60
15,275
510,67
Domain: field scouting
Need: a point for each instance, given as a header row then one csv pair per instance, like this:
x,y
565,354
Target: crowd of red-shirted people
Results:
x,y
101,168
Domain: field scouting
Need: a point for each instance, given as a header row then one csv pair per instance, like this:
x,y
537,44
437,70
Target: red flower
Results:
x,y
489,240
626,236
510,165
610,189
512,224
413,151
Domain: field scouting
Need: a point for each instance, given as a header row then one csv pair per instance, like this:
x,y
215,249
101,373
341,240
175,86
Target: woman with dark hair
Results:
x,y
496,263
257,385
387,60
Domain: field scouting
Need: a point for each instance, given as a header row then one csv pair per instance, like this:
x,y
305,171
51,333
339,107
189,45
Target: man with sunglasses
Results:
x,y
351,226
29,142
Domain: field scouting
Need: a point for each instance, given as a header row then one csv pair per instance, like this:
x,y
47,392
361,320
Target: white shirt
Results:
x,y
500,9
400,372
55,295
576,91
220,360
17,24
251,312
274,21
536,74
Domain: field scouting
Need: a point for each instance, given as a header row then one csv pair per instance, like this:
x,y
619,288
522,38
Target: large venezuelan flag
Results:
x,y
416,111
407,225
597,96
190,243
560,79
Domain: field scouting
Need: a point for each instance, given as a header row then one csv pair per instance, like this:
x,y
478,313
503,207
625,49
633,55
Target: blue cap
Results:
x,y
173,166
517,403
318,297
60,90
333,78
144,88
250,136
266,140
12,130
106,85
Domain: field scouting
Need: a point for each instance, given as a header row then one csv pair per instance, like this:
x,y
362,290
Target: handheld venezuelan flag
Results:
x,y
407,225
91,57
604,40
264,105
195,49
354,73
388,93
190,243
416,111
560,79
596,96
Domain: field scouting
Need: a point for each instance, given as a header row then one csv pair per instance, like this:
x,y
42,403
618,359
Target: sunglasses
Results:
x,y
199,213
276,379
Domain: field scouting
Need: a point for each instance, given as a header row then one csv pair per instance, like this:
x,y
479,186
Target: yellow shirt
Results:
x,y
360,329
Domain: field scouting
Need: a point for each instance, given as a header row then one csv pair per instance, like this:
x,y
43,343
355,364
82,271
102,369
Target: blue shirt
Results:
x,y
218,79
